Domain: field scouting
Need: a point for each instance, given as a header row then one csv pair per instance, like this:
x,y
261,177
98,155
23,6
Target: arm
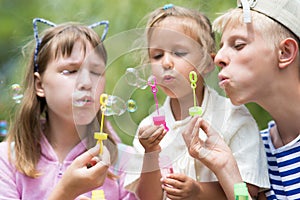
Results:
x,y
215,154
149,186
79,179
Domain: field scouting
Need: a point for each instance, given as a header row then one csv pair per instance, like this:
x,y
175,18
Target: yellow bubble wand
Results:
x,y
100,136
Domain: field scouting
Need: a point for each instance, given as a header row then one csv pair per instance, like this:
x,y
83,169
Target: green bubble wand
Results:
x,y
195,110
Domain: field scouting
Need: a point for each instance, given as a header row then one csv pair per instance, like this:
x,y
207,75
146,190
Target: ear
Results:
x,y
38,85
288,50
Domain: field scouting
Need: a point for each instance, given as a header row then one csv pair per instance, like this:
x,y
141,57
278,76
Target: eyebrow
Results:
x,y
66,63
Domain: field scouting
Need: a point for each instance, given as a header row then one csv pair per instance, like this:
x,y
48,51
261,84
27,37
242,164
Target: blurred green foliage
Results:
x,y
124,16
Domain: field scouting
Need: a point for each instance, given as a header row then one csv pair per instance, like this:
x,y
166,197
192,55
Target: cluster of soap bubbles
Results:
x,y
117,106
136,77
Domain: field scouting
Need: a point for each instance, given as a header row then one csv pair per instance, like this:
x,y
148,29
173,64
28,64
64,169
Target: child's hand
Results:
x,y
180,186
79,179
150,137
213,152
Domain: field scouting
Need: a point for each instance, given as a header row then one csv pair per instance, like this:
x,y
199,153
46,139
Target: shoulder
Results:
x,y
5,164
4,150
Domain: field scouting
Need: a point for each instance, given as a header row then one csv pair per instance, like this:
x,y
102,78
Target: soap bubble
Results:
x,y
117,106
131,106
16,93
114,106
138,76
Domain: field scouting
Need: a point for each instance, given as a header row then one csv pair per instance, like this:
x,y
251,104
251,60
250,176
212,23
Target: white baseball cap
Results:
x,y
286,12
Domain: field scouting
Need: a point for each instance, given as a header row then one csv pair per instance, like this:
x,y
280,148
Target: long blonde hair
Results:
x,y
26,130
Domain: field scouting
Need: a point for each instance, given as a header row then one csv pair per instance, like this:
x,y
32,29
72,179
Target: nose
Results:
x,y
221,59
167,61
84,81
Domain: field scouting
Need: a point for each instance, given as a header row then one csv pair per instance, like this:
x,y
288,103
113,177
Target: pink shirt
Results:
x,y
15,185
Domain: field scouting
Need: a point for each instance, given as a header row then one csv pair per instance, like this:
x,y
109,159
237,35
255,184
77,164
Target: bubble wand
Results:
x,y
100,136
195,110
159,119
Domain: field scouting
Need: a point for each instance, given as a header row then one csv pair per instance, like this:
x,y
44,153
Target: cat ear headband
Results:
x,y
49,23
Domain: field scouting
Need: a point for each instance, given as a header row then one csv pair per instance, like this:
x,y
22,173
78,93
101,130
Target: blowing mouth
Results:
x,y
82,99
222,80
168,78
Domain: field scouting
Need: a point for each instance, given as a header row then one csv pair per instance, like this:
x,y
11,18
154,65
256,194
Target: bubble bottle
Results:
x,y
98,195
240,191
195,110
159,119
165,164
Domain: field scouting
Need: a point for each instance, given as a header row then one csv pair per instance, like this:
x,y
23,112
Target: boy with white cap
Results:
x,y
260,62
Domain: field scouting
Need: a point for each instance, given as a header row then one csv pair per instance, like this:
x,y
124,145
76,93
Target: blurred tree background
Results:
x,y
124,16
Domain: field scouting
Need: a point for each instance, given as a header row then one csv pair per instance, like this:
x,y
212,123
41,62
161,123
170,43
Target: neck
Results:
x,y
62,136
285,110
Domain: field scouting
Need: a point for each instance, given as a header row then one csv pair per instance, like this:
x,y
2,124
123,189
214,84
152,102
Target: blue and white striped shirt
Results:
x,y
284,167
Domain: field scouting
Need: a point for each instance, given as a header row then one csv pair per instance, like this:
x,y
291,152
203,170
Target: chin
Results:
x,y
83,119
237,101
82,122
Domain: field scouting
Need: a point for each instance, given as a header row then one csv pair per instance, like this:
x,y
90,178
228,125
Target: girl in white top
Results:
x,y
180,40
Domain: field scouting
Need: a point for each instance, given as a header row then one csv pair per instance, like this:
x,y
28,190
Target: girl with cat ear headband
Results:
x,y
51,142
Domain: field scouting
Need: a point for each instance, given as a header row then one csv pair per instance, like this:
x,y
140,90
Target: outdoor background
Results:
x,y
125,16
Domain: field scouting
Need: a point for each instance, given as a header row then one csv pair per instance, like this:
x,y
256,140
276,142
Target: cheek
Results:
x,y
100,84
156,69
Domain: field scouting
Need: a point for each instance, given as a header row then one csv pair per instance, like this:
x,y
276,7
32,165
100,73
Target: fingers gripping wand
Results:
x,y
195,110
100,136
159,119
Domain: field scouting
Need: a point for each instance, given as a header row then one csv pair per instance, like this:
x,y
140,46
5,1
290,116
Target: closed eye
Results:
x,y
66,71
180,54
97,73
156,56
239,46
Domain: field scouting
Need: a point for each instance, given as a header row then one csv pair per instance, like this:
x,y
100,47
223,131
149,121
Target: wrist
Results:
x,y
151,161
229,170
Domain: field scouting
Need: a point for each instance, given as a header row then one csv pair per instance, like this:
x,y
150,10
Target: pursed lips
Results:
x,y
222,80
168,78
82,101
